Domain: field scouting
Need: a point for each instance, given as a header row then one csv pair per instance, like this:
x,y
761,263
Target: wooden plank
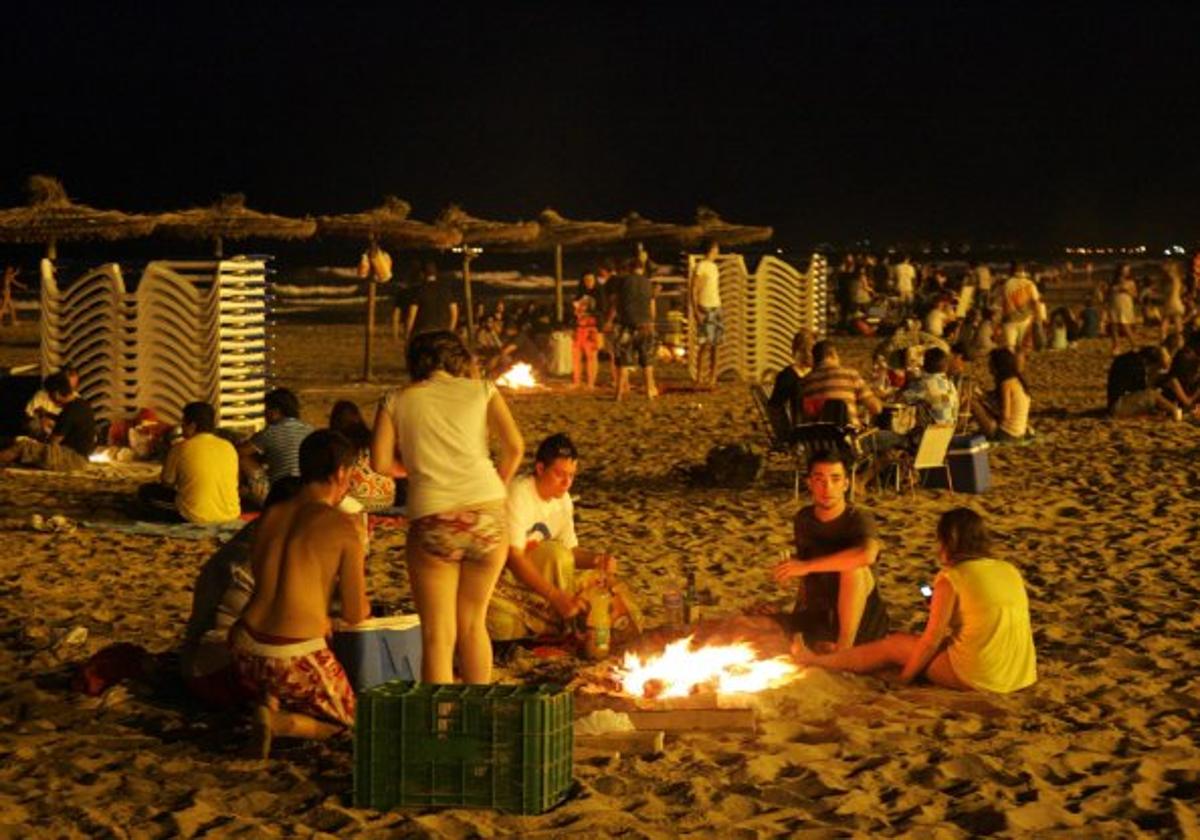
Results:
x,y
638,742
686,720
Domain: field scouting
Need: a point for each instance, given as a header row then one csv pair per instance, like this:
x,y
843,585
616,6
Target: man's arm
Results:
x,y
352,576
453,315
170,469
409,321
564,603
586,558
843,561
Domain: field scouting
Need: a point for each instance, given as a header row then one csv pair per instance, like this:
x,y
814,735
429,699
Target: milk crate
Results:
x,y
419,745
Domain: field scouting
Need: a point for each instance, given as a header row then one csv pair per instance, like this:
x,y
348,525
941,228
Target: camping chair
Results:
x,y
779,432
930,454
964,404
845,441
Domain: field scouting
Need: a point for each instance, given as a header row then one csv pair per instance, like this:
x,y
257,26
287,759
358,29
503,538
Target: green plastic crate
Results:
x,y
507,747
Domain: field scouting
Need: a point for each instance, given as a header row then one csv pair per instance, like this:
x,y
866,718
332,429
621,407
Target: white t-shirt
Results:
x,y
935,322
442,435
706,282
905,275
532,519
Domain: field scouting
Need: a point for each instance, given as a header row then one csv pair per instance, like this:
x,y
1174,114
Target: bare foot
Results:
x,y
651,393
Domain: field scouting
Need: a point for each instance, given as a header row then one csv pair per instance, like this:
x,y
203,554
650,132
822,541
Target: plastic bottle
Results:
x,y
691,611
599,622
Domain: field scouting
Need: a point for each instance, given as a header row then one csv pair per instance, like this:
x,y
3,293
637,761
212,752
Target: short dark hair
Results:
x,y
709,244
284,401
959,348
554,447
829,456
201,415
57,384
821,350
964,535
439,350
935,361
322,453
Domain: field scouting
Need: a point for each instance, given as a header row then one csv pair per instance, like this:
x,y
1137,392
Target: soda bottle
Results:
x,y
599,622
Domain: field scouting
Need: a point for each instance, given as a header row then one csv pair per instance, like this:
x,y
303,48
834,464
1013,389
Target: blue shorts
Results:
x,y
710,328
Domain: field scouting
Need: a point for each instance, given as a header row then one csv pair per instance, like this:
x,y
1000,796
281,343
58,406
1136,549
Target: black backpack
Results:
x,y
733,465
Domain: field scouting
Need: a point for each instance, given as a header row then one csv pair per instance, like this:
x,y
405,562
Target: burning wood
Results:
x,y
681,671
518,377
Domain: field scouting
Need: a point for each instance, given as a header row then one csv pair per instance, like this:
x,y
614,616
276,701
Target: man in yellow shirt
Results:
x,y
199,480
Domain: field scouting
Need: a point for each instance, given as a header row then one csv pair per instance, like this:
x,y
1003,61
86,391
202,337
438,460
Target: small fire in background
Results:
x,y
100,456
517,377
680,671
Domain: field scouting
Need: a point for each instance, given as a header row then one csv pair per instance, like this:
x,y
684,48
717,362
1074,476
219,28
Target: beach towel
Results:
x,y
177,530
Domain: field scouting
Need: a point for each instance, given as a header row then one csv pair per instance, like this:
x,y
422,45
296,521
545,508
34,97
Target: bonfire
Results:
x,y
519,376
680,671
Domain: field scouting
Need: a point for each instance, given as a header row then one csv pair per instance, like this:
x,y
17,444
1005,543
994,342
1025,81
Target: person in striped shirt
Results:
x,y
274,452
830,381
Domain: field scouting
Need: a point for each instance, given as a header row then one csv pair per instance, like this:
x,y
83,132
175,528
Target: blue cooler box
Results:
x,y
379,650
969,467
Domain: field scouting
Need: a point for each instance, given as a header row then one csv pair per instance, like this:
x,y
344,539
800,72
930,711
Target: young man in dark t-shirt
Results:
x,y
432,306
839,605
633,308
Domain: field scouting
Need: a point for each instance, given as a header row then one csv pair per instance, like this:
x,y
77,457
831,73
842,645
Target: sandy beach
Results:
x,y
1100,516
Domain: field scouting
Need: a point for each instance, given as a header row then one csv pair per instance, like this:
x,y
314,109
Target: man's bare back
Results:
x,y
302,547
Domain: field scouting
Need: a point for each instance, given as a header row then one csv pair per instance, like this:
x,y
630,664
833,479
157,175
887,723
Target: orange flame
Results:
x,y
679,670
518,376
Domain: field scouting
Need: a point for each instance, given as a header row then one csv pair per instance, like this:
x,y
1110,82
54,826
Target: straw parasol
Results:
x,y
712,226
387,224
51,217
229,218
558,232
480,232
642,230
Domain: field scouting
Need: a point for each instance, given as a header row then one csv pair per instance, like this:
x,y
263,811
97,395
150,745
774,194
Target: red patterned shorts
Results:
x,y
462,536
305,676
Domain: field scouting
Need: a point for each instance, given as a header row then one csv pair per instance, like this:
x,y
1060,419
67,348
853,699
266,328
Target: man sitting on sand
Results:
x,y
1131,385
537,592
71,440
199,481
839,605
302,548
1181,384
273,453
41,411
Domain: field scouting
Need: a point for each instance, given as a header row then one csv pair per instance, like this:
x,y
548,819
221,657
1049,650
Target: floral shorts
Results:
x,y
305,676
471,535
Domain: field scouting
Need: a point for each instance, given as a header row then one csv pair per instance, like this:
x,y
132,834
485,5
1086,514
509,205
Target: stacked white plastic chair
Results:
x,y
192,331
89,325
201,330
762,311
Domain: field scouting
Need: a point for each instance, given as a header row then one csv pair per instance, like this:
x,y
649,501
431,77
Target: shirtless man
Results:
x,y
303,547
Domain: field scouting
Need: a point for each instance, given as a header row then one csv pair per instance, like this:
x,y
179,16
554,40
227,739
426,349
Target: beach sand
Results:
x,y
1099,516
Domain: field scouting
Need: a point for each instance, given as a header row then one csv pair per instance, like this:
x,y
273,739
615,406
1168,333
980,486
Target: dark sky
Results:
x,y
833,121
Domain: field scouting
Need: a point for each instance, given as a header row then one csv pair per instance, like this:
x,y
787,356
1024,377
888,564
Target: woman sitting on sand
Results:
x,y
1004,415
785,394
374,491
457,535
978,636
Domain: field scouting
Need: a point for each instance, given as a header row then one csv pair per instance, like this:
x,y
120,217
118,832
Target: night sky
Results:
x,y
896,121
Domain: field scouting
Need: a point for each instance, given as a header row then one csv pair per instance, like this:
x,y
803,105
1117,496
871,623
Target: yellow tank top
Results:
x,y
991,648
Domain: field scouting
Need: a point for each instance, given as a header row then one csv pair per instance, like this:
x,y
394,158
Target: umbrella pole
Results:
x,y
558,284
369,338
467,295
218,248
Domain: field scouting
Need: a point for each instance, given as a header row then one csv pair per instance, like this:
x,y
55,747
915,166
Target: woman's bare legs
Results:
x,y
475,586
593,365
435,589
890,651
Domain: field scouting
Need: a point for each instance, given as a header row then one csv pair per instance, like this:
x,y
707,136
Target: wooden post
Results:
x,y
467,296
558,284
218,247
369,339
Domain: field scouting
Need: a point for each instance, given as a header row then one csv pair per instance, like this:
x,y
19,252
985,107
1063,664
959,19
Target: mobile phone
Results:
x,y
927,590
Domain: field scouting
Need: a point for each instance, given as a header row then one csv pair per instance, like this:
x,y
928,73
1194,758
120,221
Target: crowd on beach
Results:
x,y
493,556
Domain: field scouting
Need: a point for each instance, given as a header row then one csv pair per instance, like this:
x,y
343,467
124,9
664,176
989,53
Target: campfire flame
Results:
x,y
679,671
100,456
518,376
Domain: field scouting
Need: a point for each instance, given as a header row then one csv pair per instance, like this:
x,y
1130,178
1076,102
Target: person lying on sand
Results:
x,y
978,636
537,592
839,605
279,646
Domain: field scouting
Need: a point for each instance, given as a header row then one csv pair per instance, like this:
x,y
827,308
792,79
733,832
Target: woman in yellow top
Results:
x,y
978,636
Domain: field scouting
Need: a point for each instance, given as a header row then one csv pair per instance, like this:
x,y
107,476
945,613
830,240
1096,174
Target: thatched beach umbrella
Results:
x,y
387,224
558,233
477,233
712,226
51,218
229,218
644,231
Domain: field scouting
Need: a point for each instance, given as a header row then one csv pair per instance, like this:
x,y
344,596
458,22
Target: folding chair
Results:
x,y
930,454
779,433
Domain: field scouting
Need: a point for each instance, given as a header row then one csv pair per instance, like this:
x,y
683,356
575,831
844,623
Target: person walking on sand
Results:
x,y
838,604
1122,309
8,307
978,636
302,549
705,295
585,344
634,310
457,535
432,306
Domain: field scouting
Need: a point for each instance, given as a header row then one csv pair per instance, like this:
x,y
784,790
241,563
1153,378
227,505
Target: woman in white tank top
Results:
x,y
1011,397
457,543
